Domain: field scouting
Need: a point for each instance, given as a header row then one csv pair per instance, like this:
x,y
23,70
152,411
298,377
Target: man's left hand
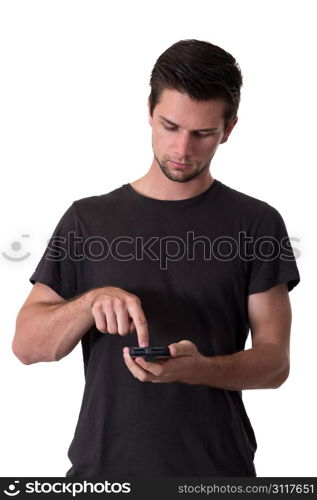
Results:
x,y
185,365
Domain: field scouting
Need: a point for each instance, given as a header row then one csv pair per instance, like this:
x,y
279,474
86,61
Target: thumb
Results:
x,y
182,348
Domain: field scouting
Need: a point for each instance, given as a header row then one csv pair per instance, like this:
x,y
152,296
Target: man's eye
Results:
x,y
197,134
169,128
202,134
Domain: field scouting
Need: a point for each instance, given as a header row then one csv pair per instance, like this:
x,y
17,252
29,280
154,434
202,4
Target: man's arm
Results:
x,y
265,365
49,327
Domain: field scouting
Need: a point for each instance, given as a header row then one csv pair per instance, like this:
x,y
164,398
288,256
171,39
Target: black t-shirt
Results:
x,y
192,263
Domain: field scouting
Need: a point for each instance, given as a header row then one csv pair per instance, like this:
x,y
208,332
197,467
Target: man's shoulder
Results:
x,y
239,197
240,202
246,210
102,200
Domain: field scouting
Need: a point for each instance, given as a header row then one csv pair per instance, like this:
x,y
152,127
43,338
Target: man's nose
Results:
x,y
183,145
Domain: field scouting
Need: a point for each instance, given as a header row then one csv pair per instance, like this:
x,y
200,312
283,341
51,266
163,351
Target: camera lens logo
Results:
x,y
16,247
13,492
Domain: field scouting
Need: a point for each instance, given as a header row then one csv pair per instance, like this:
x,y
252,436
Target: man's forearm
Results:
x,y
48,332
261,367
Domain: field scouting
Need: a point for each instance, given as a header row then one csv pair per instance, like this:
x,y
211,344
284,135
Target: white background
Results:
x,y
73,90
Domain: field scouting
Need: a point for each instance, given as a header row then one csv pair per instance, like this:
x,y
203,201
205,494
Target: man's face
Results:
x,y
186,134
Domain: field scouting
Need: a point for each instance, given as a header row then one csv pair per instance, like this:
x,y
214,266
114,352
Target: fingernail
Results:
x,y
144,344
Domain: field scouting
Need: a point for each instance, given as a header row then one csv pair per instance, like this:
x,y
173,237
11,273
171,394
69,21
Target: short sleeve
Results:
x,y
57,267
273,260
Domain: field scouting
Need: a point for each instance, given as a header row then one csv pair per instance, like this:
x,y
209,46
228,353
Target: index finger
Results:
x,y
140,323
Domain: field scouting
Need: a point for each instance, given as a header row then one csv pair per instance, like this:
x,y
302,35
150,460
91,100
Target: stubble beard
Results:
x,y
181,176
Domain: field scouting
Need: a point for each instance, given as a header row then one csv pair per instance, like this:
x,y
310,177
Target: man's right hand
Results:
x,y
117,311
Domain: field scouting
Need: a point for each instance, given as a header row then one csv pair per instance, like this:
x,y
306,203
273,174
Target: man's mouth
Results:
x,y
180,165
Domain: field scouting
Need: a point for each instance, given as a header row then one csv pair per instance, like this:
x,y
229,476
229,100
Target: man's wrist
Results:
x,y
205,373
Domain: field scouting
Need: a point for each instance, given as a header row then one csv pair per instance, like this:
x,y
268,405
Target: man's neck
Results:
x,y
154,184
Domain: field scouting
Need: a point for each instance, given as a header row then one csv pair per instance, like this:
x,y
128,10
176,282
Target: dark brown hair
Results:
x,y
202,71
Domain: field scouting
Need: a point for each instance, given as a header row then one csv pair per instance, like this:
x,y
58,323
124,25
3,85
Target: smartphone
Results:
x,y
150,353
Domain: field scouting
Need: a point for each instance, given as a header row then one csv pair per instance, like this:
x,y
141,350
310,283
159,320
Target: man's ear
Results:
x,y
228,131
150,117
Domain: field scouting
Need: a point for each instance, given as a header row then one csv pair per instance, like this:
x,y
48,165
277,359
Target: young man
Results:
x,y
178,259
